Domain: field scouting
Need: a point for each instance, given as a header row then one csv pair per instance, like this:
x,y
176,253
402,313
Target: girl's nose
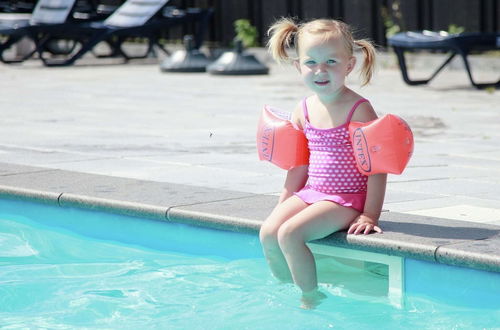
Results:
x,y
321,67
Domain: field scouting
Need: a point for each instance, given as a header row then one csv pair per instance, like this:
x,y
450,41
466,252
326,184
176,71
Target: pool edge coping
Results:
x,y
444,254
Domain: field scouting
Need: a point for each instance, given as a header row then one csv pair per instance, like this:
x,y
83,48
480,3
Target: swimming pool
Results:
x,y
69,268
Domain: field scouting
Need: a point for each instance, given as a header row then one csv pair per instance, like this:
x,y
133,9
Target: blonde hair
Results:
x,y
285,33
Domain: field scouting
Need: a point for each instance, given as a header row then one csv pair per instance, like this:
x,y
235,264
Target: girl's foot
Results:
x,y
312,299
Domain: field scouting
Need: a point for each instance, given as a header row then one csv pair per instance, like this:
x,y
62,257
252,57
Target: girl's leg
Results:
x,y
314,222
269,236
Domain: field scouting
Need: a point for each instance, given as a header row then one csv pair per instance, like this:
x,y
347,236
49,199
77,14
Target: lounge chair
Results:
x,y
134,18
46,13
462,44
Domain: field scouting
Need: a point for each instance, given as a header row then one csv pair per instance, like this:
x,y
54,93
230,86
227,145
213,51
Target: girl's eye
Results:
x,y
310,62
331,62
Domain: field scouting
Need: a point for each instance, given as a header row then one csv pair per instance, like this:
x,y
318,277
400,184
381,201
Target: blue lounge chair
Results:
x,y
134,18
458,44
46,13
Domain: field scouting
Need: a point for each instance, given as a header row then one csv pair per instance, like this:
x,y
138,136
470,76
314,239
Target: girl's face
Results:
x,y
324,65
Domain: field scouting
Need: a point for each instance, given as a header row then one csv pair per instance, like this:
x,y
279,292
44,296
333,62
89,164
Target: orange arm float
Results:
x,y
384,145
279,142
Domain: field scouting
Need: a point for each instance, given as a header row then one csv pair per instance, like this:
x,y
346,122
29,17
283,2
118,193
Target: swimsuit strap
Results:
x,y
304,108
354,107
349,116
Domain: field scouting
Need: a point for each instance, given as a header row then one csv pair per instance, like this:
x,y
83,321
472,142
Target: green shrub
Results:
x,y
246,33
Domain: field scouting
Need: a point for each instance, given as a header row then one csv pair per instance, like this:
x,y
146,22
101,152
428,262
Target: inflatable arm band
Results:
x,y
279,142
384,145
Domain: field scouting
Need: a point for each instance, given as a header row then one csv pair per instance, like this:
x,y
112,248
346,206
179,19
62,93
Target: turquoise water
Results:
x,y
69,269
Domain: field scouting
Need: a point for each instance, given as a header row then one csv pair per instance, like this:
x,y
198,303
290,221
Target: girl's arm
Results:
x,y
295,180
367,221
296,177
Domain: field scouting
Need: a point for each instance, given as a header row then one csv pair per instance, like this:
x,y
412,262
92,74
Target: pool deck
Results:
x,y
126,138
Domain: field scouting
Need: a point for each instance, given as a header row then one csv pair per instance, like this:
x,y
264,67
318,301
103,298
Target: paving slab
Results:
x,y
463,212
115,188
416,236
400,196
242,214
452,187
11,169
42,157
445,201
201,175
442,172
482,254
223,159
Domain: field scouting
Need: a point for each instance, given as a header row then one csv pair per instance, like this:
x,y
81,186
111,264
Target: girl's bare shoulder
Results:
x,y
298,115
364,113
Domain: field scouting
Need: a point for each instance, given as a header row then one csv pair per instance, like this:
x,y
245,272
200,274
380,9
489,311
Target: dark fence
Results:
x,y
369,18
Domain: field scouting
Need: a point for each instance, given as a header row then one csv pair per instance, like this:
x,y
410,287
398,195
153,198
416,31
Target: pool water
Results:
x,y
69,269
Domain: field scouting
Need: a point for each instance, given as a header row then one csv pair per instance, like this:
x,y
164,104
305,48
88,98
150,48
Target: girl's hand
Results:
x,y
364,224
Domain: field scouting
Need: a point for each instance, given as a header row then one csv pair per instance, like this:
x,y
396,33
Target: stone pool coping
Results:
x,y
445,241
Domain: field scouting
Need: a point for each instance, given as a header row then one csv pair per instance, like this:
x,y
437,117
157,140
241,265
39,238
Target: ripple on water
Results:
x,y
11,246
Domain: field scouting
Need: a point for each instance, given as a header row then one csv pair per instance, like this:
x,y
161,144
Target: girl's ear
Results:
x,y
296,63
351,64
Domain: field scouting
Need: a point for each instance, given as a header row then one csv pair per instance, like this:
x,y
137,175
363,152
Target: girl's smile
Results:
x,y
322,82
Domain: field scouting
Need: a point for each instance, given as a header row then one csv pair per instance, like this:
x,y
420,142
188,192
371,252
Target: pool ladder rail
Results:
x,y
395,267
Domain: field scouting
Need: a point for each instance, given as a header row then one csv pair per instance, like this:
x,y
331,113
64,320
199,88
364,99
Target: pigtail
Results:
x,y
282,35
369,62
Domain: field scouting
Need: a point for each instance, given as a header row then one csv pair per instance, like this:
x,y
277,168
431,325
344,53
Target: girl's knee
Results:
x,y
268,233
289,233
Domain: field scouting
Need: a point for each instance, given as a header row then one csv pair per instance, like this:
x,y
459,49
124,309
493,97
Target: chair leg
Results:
x,y
115,43
149,51
445,63
404,70
86,47
469,73
115,50
162,48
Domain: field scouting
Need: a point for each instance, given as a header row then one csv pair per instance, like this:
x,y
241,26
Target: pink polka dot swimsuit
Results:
x,y
333,175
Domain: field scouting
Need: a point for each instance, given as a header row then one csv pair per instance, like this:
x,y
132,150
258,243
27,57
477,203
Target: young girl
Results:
x,y
330,194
